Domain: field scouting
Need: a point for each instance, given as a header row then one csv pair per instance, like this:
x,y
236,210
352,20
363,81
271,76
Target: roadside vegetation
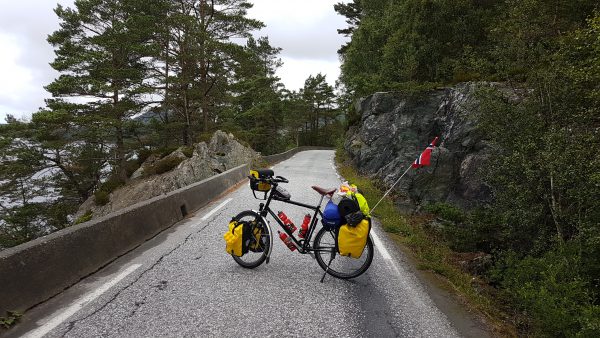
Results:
x,y
430,249
539,240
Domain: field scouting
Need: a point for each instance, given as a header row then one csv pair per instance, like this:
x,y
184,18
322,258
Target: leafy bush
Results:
x,y
481,230
162,166
204,137
446,211
101,197
549,290
163,152
188,151
167,165
143,155
85,217
12,317
131,166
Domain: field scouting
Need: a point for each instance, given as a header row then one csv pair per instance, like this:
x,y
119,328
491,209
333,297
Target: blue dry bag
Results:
x,y
331,216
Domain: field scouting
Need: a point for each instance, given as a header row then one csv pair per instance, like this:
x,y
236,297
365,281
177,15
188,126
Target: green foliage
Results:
x,y
550,290
446,211
143,155
188,151
396,42
162,166
163,152
101,197
12,318
102,194
131,166
85,217
431,251
542,229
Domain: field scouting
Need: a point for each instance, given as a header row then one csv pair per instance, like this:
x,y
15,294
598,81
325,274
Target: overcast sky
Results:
x,y
306,30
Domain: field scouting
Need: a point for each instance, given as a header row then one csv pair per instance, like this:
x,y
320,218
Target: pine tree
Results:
x,y
320,99
200,57
102,52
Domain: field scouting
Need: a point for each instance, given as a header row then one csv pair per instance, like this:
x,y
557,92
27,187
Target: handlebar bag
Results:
x,y
238,238
352,240
256,180
331,216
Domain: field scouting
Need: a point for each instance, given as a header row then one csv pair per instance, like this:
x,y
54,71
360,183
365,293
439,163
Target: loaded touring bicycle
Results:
x,y
342,247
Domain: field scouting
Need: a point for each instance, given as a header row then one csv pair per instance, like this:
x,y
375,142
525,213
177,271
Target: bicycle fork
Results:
x,y
268,225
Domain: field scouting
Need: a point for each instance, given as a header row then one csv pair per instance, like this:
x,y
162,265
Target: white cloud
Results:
x,y
16,79
306,30
291,13
295,71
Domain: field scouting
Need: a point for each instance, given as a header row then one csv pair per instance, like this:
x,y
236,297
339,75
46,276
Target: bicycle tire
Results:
x,y
252,259
323,256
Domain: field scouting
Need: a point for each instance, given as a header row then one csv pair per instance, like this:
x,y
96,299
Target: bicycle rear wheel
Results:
x,y
259,248
341,266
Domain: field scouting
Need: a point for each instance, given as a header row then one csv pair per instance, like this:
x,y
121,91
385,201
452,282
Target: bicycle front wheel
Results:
x,y
259,245
337,265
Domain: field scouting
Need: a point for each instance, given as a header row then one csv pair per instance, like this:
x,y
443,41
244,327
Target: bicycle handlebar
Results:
x,y
280,179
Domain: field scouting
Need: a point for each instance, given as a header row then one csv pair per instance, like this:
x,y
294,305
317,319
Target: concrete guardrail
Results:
x,y
37,270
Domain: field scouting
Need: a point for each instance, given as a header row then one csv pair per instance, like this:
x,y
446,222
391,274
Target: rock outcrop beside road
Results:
x,y
222,153
394,129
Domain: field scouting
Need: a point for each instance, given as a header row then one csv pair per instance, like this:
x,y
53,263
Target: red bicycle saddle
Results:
x,y
323,191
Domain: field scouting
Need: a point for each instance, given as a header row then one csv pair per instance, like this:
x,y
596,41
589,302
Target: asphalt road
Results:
x,y
183,284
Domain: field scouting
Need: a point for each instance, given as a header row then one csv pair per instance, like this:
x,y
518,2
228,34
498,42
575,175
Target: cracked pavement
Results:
x,y
188,286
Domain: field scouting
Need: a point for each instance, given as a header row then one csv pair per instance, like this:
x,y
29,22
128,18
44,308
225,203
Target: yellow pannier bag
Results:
x,y
234,239
256,246
352,240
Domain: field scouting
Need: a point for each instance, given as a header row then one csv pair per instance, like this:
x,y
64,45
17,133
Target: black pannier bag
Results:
x,y
350,211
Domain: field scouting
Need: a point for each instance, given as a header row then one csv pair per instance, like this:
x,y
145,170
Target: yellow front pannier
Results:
x,y
256,244
352,240
234,239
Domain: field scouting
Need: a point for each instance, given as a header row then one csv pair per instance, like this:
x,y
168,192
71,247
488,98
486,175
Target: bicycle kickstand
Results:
x,y
328,264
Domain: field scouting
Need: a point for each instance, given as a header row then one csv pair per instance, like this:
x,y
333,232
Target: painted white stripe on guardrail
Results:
x,y
79,304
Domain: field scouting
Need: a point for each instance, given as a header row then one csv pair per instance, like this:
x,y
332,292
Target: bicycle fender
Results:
x,y
264,219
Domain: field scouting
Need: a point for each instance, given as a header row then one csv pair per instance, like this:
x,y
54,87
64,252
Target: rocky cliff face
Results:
x,y
395,129
222,153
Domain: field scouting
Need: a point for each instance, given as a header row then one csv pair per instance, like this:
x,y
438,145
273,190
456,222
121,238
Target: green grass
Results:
x,y
430,251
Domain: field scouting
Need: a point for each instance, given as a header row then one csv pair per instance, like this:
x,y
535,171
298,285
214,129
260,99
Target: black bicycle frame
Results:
x,y
303,245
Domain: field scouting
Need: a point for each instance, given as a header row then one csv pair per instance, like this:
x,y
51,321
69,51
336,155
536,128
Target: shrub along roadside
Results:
x,y
431,251
534,295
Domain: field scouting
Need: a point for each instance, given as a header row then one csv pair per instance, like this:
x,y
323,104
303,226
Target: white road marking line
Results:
x,y
205,217
383,251
79,304
379,245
